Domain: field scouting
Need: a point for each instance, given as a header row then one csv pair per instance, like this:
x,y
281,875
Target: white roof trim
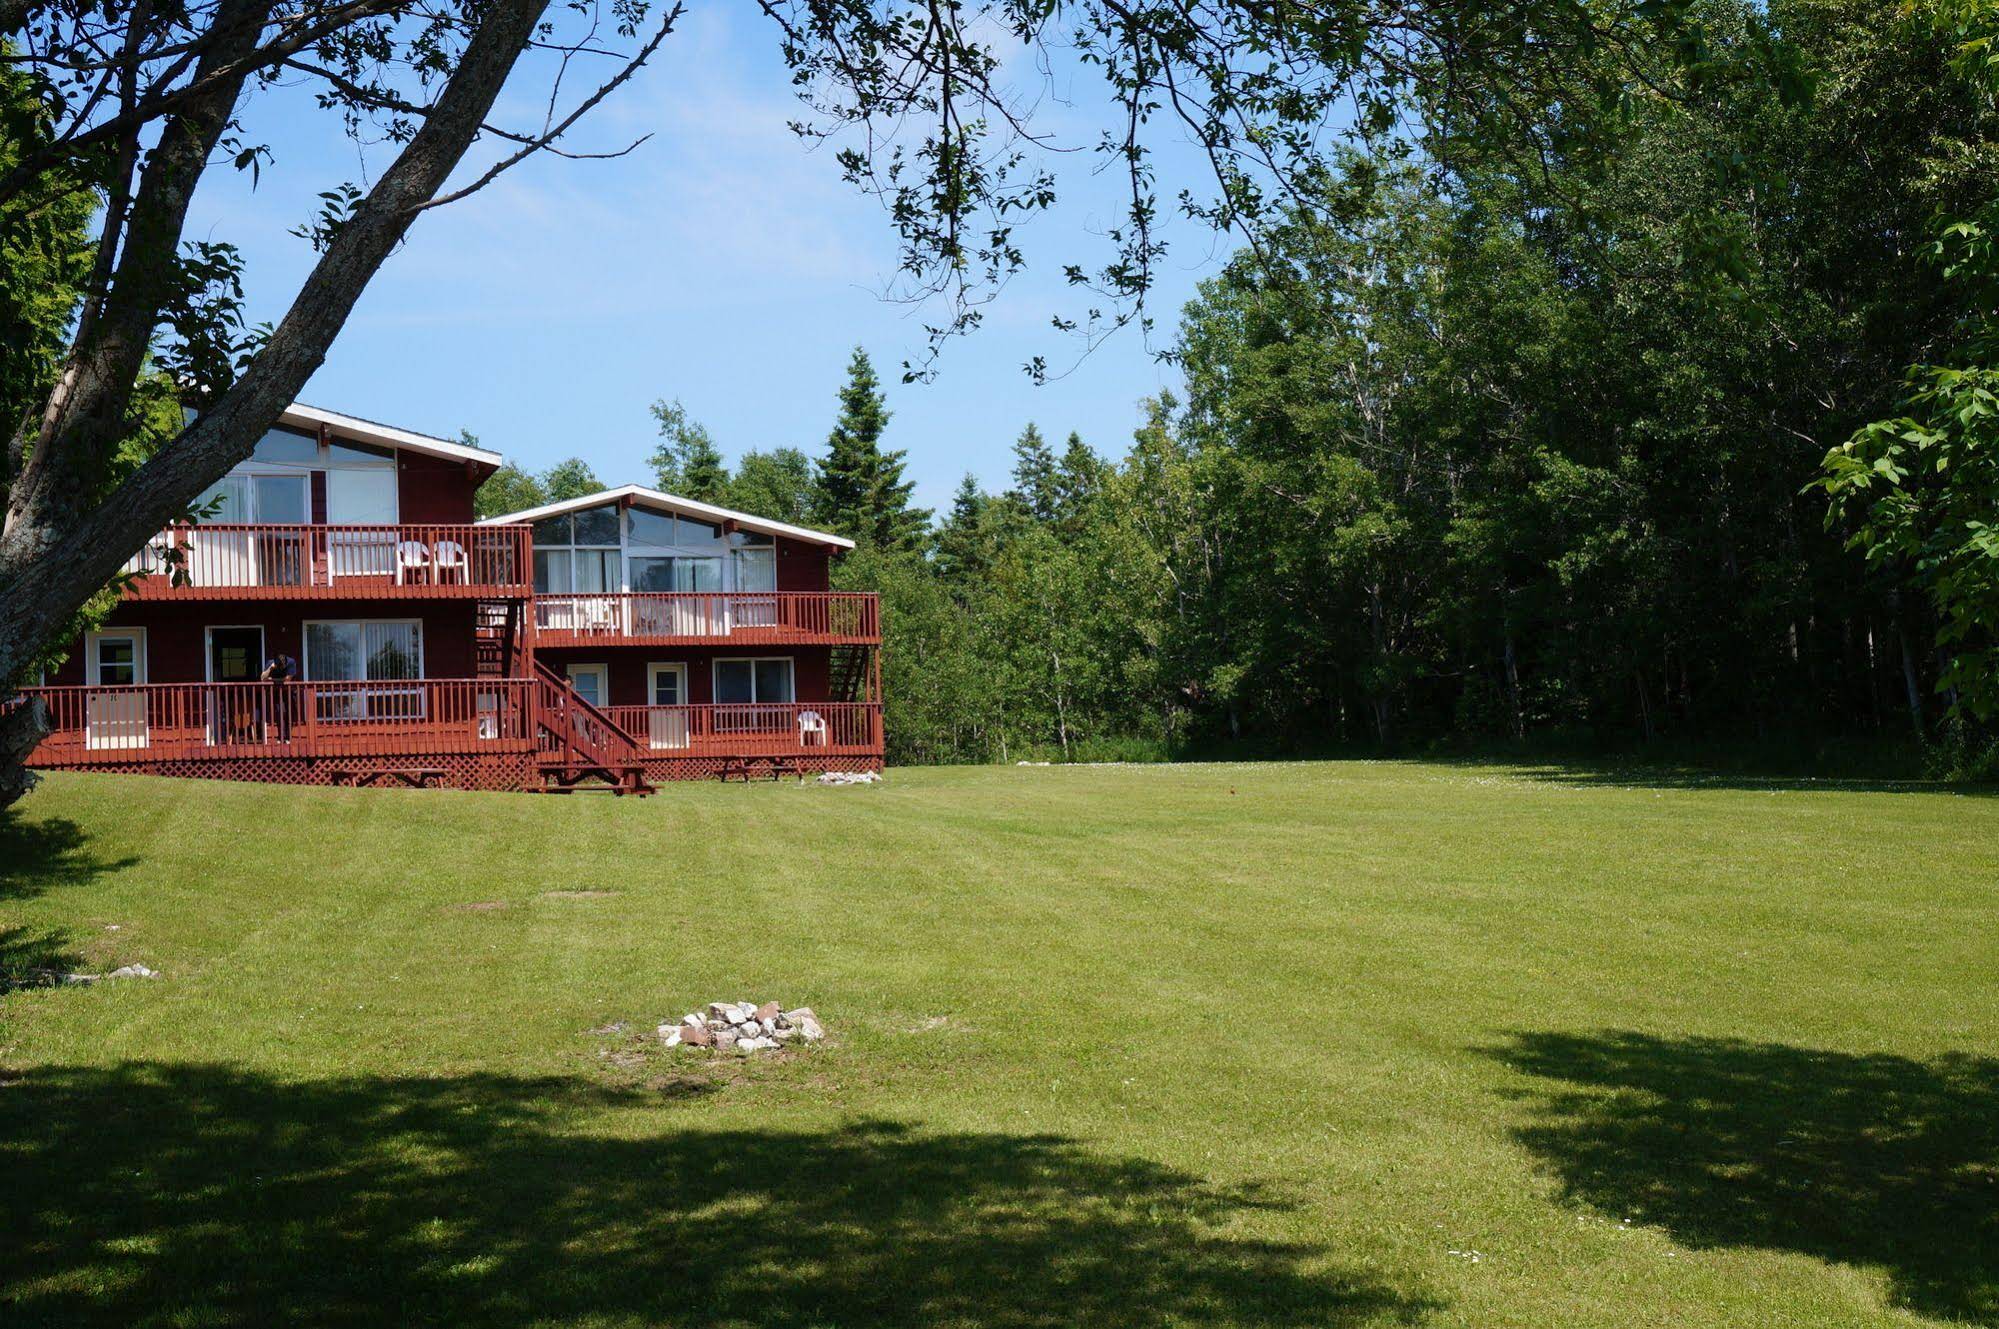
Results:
x,y
674,503
367,431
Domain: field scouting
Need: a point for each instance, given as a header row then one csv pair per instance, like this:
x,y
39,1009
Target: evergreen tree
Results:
x,y
964,547
1034,475
687,462
1079,480
861,490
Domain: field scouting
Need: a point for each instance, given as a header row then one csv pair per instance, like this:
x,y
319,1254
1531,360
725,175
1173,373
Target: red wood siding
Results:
x,y
176,644
435,489
802,567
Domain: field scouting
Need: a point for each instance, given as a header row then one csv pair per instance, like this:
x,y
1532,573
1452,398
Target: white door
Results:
x,y
666,685
115,720
592,683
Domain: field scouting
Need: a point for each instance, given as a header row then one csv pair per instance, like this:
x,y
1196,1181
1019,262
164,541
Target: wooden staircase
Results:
x,y
847,673
497,638
579,747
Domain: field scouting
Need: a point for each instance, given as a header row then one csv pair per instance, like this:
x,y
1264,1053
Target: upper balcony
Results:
x,y
273,562
694,618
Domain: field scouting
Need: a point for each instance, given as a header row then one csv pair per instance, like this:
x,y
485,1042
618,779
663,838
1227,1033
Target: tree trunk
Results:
x,y
1513,689
1911,687
1061,706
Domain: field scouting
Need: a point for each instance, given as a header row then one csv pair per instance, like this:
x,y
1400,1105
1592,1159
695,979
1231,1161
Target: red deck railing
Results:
x,y
178,721
758,729
788,617
231,562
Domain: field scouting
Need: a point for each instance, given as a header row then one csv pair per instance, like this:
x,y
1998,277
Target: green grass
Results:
x,y
1207,1045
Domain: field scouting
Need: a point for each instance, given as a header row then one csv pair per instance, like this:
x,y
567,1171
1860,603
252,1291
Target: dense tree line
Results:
x,y
1478,445
1628,374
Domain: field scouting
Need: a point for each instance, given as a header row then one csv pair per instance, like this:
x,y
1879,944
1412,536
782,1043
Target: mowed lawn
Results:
x,y
1342,1043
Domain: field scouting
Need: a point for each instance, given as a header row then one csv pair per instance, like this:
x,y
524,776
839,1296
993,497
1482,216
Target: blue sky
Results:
x,y
723,263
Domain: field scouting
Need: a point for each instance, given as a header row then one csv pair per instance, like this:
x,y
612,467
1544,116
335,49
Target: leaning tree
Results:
x,y
135,101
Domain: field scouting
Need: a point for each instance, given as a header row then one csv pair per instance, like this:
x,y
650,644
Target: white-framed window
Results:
x,y
243,498
602,549
666,684
383,649
114,657
592,683
755,569
579,551
675,572
666,552
377,650
363,496
754,680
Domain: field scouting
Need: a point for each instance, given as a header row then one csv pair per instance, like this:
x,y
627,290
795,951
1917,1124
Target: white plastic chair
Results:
x,y
451,559
810,723
411,556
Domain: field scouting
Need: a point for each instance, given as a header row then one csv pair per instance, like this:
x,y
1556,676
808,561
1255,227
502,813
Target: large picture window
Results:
x,y
602,550
766,680
669,572
756,569
374,650
385,649
577,552
271,500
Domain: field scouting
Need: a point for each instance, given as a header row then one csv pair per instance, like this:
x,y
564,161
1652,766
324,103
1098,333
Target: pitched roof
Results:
x,y
298,414
653,498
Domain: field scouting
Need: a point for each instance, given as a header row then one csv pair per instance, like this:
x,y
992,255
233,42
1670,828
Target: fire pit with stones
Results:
x,y
744,1027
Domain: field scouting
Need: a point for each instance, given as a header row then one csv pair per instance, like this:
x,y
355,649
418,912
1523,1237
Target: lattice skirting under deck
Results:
x,y
661,769
488,771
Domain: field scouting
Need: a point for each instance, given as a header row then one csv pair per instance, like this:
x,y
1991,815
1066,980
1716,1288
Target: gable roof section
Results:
x,y
641,496
299,415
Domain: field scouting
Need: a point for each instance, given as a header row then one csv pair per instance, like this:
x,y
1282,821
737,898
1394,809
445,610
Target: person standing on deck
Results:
x,y
281,669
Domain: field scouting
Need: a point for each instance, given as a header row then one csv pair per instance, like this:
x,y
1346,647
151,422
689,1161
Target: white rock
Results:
x,y
809,1030
784,1035
669,1034
695,1018
719,1010
132,971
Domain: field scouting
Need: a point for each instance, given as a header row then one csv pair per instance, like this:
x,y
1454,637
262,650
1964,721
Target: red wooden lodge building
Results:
x,y
611,641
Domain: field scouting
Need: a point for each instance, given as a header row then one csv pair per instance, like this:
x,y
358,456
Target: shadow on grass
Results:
x,y
211,1196
1870,1160
32,957
36,856
1618,776
39,855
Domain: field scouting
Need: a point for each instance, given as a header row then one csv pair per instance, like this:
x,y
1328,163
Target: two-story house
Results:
x,y
609,641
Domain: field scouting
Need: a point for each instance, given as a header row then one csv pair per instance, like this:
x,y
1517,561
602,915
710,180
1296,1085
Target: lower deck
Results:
x,y
168,690
481,733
